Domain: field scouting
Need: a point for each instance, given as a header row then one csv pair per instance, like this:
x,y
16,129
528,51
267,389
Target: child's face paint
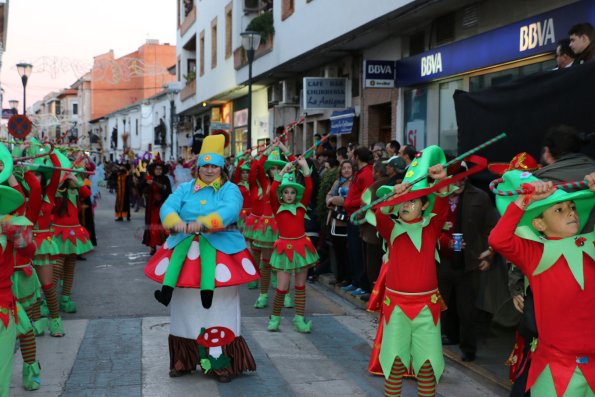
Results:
x,y
560,220
288,195
411,210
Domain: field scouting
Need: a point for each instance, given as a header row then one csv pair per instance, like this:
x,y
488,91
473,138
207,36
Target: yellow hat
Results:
x,y
211,151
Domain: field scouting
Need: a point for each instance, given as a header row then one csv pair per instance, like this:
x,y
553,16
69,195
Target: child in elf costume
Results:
x,y
411,312
15,239
293,252
266,230
539,233
70,236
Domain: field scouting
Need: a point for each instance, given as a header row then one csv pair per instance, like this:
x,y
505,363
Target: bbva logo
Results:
x,y
536,34
431,64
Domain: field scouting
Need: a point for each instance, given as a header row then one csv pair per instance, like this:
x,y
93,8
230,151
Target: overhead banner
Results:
x,y
342,122
379,74
324,93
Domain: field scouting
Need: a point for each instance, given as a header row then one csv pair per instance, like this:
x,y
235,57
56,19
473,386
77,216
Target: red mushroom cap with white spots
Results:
x,y
216,336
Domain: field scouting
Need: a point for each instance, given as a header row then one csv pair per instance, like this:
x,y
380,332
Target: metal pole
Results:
x,y
171,125
24,80
250,54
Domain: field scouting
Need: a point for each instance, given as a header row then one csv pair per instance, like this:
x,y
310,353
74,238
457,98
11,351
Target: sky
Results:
x,y
61,37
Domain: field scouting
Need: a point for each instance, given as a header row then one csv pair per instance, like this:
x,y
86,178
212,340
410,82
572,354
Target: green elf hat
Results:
x,y
370,216
64,163
430,156
38,148
289,180
10,199
274,159
512,180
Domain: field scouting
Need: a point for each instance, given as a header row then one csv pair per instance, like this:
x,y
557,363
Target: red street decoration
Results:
x,y
19,126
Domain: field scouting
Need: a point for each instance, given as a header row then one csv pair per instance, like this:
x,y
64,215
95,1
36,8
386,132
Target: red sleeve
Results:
x,y
384,225
237,173
34,202
441,211
307,191
84,193
21,210
252,180
50,191
273,197
262,176
523,253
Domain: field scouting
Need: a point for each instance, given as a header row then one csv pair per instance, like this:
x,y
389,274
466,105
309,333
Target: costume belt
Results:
x,y
292,238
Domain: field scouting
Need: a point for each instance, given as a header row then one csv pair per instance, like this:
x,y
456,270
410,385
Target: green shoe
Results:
x,y
253,284
262,301
274,279
301,325
40,326
45,312
31,379
56,327
287,302
274,323
67,305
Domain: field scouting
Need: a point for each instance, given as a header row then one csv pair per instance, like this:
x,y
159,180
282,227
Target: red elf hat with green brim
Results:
x,y
430,156
513,180
10,199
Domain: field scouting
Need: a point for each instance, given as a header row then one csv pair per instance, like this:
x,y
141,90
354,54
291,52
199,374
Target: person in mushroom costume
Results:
x,y
206,258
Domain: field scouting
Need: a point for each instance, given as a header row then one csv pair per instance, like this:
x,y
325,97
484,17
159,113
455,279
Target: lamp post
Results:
x,y
24,70
14,104
172,89
250,42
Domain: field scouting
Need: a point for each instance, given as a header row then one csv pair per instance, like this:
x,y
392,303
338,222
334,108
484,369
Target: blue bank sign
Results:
x,y
533,36
325,93
379,74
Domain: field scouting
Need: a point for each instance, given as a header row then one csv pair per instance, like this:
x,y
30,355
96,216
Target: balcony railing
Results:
x,y
240,59
188,21
188,91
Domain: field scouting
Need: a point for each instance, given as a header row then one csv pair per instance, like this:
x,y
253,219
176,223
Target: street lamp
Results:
x,y
250,42
172,89
14,104
24,70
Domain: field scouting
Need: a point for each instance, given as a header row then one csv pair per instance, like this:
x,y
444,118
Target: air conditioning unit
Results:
x,y
289,92
275,94
251,6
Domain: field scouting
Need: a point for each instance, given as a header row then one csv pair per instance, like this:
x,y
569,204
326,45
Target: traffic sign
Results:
x,y
19,126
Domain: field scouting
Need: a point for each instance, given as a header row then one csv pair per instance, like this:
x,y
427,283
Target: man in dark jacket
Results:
x,y
471,213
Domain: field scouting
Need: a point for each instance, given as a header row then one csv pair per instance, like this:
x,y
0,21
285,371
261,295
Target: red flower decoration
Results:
x,y
580,241
418,155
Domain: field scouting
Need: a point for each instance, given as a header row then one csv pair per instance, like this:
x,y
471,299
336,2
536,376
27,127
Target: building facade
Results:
x,y
395,64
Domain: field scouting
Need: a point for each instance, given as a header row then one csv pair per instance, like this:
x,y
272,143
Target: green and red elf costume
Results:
x,y
15,239
411,335
561,274
201,273
70,236
43,233
293,252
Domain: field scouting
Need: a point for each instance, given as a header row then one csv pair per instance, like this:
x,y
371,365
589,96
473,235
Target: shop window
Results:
x,y
445,28
448,119
416,117
478,83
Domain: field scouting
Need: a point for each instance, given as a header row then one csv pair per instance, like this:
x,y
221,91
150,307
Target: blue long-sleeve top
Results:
x,y
216,206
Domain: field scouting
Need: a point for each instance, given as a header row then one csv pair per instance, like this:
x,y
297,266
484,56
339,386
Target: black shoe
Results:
x,y
153,250
468,357
80,258
120,219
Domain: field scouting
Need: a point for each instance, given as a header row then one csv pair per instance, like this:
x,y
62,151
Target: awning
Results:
x,y
342,121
